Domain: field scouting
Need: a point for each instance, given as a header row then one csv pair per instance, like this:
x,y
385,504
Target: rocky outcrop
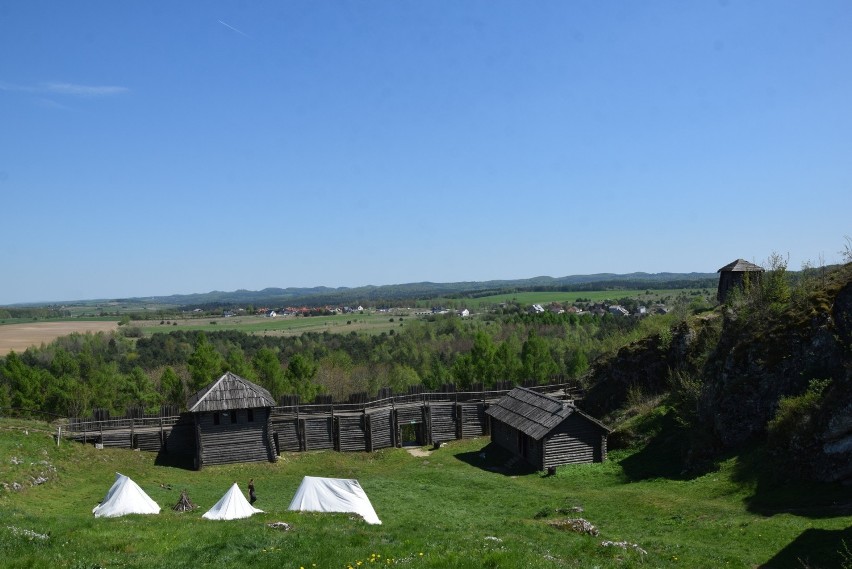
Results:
x,y
748,360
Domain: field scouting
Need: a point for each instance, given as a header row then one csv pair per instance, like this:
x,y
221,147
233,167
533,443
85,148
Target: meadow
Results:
x,y
646,296
454,507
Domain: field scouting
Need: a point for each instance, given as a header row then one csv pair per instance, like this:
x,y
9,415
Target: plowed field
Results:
x,y
19,337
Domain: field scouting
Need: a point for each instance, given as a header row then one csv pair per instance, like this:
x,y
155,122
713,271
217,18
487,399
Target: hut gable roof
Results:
x,y
228,393
534,414
740,266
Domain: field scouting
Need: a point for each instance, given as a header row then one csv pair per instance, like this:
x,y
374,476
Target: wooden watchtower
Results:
x,y
232,422
733,276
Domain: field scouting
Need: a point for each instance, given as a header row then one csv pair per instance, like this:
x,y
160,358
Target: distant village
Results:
x,y
578,308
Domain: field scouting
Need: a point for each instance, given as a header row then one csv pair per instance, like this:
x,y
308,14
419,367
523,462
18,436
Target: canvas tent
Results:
x,y
232,506
333,495
125,497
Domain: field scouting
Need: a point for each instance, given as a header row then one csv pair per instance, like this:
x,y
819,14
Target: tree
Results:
x,y
138,390
270,374
482,358
26,388
538,364
776,287
300,374
463,371
507,360
334,373
171,388
236,363
205,363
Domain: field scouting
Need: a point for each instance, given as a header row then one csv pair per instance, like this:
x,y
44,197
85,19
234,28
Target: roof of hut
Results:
x,y
534,414
228,393
740,266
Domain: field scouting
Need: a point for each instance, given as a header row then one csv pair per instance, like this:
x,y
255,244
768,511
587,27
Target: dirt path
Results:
x,y
417,451
19,337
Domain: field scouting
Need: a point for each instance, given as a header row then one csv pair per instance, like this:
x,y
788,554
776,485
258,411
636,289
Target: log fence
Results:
x,y
359,425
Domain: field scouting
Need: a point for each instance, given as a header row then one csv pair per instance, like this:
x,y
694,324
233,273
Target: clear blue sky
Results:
x,y
155,148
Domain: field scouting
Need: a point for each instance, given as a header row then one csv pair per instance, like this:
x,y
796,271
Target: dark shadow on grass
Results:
x,y
773,494
815,548
494,458
663,454
174,460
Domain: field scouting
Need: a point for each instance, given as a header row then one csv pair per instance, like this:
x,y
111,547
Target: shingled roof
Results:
x,y
740,266
228,393
534,414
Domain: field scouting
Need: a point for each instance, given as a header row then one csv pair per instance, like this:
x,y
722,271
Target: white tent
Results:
x,y
333,495
232,506
125,497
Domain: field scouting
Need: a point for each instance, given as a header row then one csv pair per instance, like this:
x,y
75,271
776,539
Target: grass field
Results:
x,y
447,509
527,298
372,323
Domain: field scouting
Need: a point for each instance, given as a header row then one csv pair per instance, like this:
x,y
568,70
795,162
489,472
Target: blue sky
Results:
x,y
155,148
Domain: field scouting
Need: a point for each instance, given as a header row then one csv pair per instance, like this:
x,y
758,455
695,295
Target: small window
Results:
x,y
215,418
250,415
233,416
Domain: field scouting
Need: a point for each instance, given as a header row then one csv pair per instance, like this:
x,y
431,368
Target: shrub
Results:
x,y
794,428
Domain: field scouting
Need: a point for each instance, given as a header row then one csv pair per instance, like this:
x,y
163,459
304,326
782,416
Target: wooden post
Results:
x,y
368,431
199,447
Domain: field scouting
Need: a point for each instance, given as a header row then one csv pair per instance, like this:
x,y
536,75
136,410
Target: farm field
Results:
x,y
285,325
453,507
19,336
525,298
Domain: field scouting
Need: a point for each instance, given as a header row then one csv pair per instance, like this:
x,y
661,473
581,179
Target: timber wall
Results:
x,y
365,426
575,441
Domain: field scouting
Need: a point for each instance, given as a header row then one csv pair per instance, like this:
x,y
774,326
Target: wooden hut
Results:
x,y
232,422
733,275
546,432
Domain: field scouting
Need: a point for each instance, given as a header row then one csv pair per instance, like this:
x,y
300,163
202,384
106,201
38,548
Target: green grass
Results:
x,y
528,298
449,506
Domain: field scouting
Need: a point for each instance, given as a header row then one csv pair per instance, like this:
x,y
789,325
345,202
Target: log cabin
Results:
x,y
546,432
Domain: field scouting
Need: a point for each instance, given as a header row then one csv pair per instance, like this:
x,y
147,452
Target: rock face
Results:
x,y
648,364
747,362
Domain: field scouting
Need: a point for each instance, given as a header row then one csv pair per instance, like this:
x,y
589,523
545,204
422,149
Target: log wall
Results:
x,y
574,441
442,422
472,419
381,429
317,432
229,441
351,432
345,427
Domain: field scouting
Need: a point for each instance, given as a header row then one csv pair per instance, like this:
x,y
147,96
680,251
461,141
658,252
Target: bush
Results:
x,y
131,332
794,428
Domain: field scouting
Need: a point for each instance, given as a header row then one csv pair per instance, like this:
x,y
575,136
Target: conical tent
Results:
x,y
333,495
232,506
125,497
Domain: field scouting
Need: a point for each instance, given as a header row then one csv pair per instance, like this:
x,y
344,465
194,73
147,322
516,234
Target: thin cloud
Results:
x,y
70,89
230,27
85,90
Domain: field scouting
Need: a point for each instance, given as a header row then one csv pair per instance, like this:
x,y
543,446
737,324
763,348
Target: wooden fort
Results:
x,y
234,420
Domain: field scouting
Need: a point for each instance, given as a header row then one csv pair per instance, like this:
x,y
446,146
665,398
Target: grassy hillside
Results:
x,y
448,509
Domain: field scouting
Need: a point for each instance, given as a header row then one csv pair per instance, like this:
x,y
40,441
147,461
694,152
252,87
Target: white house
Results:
x,y
618,310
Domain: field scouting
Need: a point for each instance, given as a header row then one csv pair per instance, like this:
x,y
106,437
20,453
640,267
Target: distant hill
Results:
x,y
321,295
317,296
